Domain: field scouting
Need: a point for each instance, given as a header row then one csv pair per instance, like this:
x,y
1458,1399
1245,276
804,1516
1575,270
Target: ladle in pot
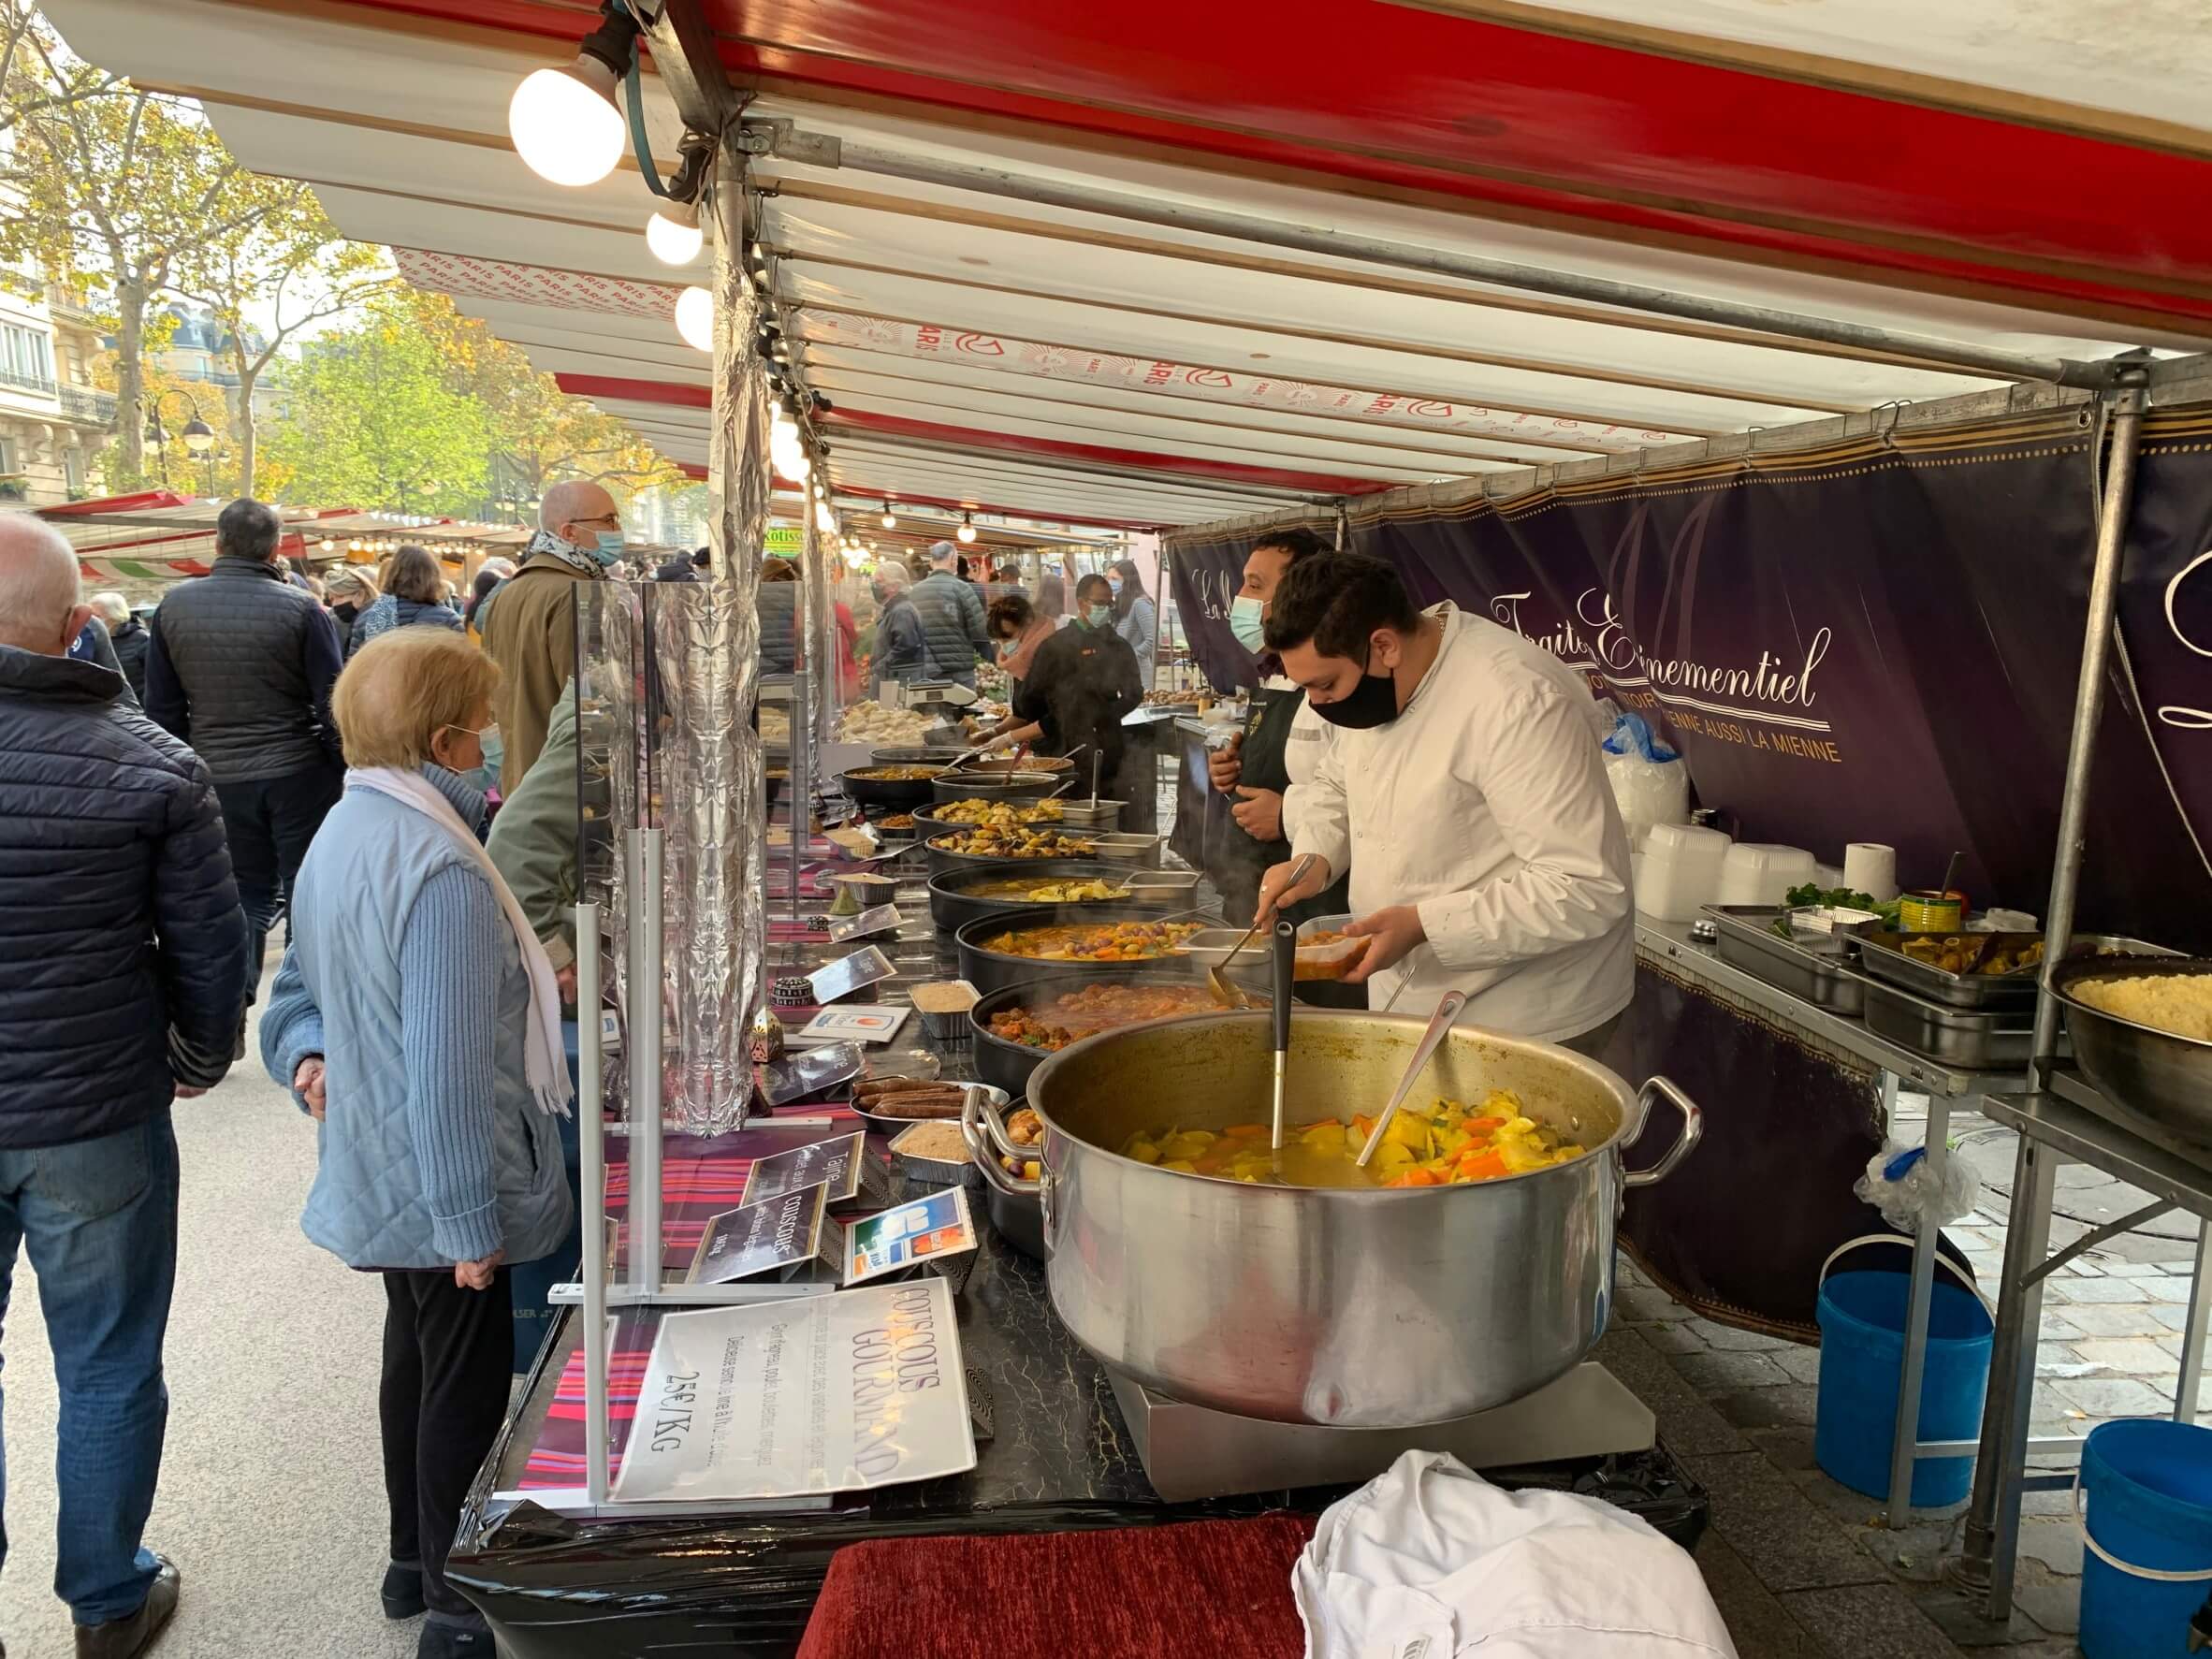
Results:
x,y
1230,996
1284,965
1440,1024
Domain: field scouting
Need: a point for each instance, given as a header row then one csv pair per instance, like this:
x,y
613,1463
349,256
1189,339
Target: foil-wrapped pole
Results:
x,y
709,769
821,565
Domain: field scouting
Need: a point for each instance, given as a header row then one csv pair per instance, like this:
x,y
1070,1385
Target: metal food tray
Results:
x,y
1884,959
1745,937
1972,1040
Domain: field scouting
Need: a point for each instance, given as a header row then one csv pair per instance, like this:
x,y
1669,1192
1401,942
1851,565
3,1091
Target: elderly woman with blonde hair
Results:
x,y
416,1017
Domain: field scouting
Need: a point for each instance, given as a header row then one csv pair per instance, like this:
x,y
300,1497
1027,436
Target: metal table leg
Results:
x,y
1905,1441
2192,1337
1993,1520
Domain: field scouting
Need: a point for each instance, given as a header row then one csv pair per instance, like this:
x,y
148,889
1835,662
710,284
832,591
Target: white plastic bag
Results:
x,y
1899,1183
1649,778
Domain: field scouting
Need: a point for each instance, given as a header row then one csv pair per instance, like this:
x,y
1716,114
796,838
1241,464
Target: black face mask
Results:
x,y
1374,702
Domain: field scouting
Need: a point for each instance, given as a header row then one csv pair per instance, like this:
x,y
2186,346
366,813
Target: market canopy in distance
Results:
x,y
1983,181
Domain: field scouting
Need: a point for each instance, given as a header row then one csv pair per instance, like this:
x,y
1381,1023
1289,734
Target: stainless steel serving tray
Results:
x,y
1970,1039
1818,971
1884,959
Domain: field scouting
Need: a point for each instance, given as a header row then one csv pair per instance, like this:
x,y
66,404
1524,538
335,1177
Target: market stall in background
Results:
x,y
1836,468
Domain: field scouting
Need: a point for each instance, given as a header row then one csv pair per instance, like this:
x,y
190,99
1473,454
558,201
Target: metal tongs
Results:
x,y
1230,996
1439,1024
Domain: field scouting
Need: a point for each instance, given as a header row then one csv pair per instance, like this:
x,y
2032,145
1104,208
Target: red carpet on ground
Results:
x,y
1196,1590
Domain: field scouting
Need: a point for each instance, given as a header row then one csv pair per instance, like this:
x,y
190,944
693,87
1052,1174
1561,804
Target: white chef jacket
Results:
x,y
1485,806
1430,1561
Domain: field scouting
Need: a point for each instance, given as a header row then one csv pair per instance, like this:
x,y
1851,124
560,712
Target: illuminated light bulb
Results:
x,y
890,519
674,235
695,318
564,122
967,530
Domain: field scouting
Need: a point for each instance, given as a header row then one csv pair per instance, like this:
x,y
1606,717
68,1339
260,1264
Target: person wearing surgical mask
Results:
x,y
531,630
1278,745
1080,682
1464,785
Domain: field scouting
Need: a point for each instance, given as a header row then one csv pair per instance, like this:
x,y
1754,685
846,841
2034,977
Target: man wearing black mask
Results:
x,y
1462,785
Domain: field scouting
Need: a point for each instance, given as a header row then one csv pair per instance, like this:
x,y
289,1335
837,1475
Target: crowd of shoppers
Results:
x,y
331,762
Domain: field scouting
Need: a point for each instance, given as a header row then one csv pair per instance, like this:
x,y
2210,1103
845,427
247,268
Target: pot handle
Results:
x,y
1692,1129
983,1154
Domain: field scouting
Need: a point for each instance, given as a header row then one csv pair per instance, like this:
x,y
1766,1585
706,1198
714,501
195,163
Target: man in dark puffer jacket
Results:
x,y
241,667
123,984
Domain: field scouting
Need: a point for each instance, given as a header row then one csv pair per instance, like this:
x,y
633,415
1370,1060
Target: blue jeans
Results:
x,y
100,1219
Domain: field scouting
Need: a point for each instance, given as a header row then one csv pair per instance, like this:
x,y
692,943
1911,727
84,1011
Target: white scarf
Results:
x,y
545,1062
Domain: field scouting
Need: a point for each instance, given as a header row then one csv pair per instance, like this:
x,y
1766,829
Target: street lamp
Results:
x,y
199,437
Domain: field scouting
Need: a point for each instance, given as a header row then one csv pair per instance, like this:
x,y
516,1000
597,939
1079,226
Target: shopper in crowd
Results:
x,y
414,595
122,985
1081,681
1520,895
239,664
489,574
683,567
951,615
1052,599
901,650
352,589
533,842
1136,619
1019,630
529,628
417,1018
775,602
127,636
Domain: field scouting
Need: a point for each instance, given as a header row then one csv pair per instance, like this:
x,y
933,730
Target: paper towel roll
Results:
x,y
1871,867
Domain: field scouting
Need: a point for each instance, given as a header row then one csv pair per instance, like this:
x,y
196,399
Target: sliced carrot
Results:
x,y
1482,1167
1483,1126
1248,1128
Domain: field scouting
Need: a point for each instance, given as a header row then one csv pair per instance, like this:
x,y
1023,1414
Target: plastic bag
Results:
x,y
1899,1183
1649,778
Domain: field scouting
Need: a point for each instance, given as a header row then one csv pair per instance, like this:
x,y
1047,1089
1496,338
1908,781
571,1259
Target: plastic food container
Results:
x,y
1679,871
1761,872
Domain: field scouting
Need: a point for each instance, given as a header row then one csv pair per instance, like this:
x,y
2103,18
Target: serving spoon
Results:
x,y
1230,996
1439,1024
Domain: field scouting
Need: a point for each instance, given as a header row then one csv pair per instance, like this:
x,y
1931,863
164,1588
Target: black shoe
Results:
x,y
126,1638
441,1640
402,1592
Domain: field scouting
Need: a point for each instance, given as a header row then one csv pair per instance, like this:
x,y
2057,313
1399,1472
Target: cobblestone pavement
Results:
x,y
1801,1565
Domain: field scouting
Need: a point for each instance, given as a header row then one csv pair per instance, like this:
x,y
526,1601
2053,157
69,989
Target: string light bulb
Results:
x,y
563,122
967,530
673,233
890,518
695,318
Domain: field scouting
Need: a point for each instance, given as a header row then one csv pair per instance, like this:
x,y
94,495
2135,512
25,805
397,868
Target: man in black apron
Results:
x,y
1261,762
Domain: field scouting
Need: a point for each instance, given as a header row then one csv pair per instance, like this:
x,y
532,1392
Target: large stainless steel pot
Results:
x,y
1363,1308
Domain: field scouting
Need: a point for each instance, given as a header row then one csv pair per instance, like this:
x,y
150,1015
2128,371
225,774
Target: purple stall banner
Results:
x,y
1876,641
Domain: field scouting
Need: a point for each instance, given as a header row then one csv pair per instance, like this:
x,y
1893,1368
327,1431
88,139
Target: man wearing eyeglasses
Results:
x,y
530,626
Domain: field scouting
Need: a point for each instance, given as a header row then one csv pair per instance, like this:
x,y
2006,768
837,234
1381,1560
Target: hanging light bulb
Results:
x,y
563,122
695,318
967,530
825,520
890,518
673,233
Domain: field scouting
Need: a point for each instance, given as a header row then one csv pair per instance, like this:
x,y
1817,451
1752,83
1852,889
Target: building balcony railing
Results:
x,y
81,403
65,309
29,382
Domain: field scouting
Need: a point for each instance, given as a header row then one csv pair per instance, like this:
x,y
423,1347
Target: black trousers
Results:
x,y
269,823
448,1356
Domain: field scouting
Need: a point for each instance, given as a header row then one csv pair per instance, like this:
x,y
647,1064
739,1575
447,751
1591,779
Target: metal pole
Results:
x,y
799,796
1905,1448
591,1142
2000,1461
647,994
2192,1335
822,150
2127,399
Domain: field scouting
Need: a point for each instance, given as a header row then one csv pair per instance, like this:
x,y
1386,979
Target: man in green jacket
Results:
x,y
533,842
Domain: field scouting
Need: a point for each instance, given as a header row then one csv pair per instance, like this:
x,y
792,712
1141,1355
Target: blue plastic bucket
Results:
x,y
1862,1352
2148,1532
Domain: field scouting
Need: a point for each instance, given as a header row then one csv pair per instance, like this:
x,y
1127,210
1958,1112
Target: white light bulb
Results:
x,y
566,131
965,533
695,318
826,521
890,519
672,240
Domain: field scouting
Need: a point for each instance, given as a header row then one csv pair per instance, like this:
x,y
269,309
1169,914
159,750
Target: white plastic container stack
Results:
x,y
1678,869
1760,873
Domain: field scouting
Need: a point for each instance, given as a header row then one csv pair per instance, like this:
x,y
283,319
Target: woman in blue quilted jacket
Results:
x,y
414,592
417,1019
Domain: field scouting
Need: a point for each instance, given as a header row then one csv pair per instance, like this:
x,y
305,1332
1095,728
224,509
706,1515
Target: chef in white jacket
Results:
x,y
1462,782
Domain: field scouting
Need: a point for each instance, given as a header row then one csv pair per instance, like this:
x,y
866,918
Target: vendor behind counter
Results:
x,y
1281,740
1079,683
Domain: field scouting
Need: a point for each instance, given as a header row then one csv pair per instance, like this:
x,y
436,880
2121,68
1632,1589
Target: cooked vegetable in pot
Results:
x,y
1446,1145
993,842
1094,941
1053,1026
1004,814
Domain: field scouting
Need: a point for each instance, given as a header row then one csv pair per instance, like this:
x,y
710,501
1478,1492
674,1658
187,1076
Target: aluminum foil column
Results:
x,y
822,567
710,778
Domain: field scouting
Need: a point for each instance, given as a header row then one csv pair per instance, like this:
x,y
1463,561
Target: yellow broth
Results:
x,y
1446,1145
